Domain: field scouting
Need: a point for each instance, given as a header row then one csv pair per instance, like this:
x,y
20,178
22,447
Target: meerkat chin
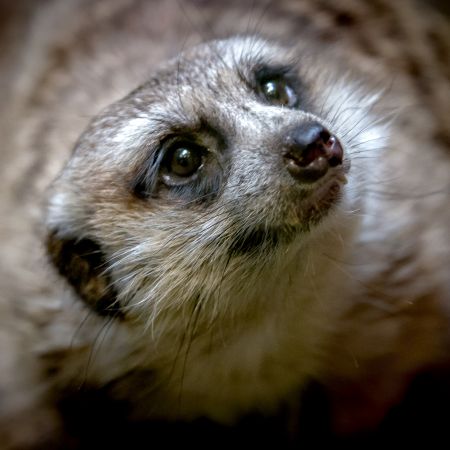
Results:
x,y
218,215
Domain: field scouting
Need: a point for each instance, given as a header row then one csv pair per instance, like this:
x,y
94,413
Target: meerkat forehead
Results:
x,y
217,63
212,83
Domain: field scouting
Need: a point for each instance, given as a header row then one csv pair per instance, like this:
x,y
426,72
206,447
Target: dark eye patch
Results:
x,y
180,169
182,161
145,180
279,93
278,86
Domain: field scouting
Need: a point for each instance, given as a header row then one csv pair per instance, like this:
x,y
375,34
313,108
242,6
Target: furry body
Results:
x,y
355,297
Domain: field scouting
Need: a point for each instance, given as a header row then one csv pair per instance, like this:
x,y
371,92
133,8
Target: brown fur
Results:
x,y
75,58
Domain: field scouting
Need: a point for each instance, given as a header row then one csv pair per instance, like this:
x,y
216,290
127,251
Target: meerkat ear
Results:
x,y
82,263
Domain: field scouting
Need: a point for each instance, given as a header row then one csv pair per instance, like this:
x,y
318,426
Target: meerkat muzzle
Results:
x,y
310,150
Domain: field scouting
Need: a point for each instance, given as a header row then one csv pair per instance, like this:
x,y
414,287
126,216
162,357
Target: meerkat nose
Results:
x,y
309,150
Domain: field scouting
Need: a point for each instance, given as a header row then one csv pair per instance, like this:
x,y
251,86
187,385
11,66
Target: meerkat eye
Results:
x,y
278,92
184,159
177,164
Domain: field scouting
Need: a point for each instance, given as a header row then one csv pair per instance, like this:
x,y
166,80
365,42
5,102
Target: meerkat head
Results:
x,y
196,185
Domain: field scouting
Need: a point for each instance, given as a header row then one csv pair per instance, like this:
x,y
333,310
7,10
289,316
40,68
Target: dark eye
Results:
x,y
184,160
278,92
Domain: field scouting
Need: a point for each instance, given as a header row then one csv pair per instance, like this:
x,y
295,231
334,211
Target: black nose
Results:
x,y
310,150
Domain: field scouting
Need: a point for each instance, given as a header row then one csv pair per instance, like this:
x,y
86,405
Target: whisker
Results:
x,y
194,319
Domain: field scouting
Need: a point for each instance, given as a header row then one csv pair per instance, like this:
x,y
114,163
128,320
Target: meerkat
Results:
x,y
252,214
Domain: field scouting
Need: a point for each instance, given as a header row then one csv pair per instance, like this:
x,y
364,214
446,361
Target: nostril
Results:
x,y
333,151
310,150
328,143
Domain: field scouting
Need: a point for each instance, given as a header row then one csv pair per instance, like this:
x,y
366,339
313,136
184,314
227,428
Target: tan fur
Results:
x,y
360,300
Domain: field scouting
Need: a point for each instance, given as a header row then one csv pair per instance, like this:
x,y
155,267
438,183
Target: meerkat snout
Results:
x,y
310,150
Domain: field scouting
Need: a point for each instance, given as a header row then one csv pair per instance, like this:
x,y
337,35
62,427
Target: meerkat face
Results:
x,y
229,155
